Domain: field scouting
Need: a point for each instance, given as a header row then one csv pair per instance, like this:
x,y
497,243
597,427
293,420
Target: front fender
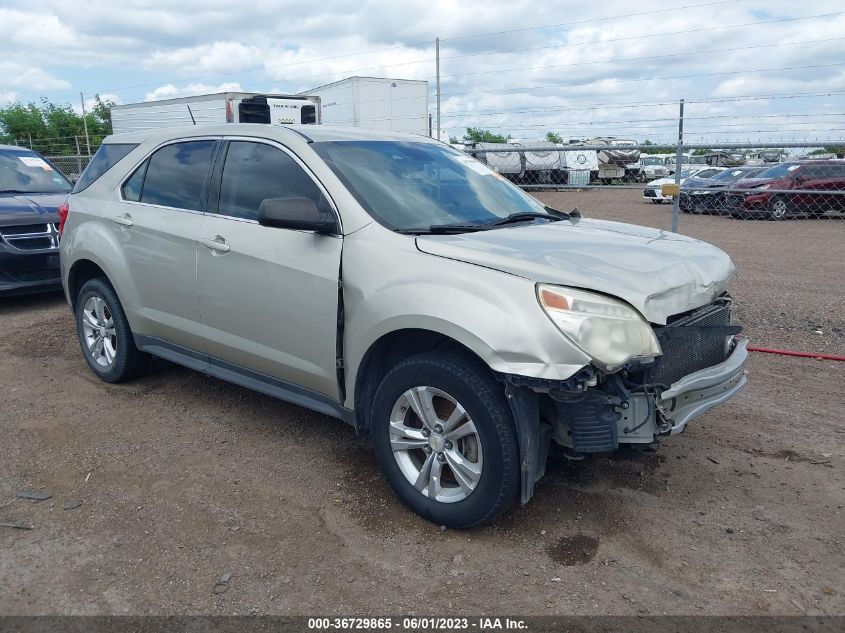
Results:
x,y
389,285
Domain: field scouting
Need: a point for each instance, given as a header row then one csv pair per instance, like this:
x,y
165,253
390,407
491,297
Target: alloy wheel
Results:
x,y
778,210
436,444
99,331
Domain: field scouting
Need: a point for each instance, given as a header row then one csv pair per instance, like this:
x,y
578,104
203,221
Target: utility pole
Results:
x,y
678,162
78,155
85,123
437,63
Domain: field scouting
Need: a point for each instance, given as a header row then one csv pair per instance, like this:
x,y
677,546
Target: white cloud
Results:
x,y
170,91
218,57
588,76
20,75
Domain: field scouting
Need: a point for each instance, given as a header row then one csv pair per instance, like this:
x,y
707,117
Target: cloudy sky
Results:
x,y
519,67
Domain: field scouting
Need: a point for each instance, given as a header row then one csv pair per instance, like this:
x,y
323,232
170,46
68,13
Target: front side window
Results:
x,y
24,171
176,175
132,188
254,172
106,157
413,185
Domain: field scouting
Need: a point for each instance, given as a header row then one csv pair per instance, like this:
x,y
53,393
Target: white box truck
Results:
x,y
221,107
377,103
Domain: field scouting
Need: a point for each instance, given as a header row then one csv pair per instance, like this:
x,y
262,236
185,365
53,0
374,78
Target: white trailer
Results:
x,y
581,165
376,103
221,107
546,156
508,163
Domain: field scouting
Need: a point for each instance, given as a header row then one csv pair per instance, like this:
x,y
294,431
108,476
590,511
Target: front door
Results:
x,y
268,297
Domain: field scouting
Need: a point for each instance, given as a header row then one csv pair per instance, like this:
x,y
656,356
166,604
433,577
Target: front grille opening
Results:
x,y
691,349
35,275
22,229
31,243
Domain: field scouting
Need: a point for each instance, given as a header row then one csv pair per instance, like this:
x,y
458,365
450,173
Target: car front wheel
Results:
x,y
778,208
104,333
445,439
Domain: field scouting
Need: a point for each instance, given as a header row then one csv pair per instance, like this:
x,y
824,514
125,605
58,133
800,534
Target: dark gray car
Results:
x,y
31,191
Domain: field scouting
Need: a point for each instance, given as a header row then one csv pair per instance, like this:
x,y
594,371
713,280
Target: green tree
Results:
x,y
830,149
651,151
477,135
51,128
554,137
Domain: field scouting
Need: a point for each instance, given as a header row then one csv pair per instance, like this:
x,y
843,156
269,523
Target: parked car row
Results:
x,y
773,191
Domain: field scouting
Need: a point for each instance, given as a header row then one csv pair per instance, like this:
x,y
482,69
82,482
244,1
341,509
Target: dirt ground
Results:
x,y
162,486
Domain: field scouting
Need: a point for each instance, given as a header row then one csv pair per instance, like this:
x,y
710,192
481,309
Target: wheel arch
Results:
x,y
387,351
82,271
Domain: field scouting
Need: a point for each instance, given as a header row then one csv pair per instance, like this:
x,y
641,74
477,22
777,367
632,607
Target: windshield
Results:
x,y
779,171
24,171
696,160
411,185
652,161
730,175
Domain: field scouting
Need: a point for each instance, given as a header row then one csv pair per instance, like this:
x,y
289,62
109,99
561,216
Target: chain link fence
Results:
x,y
778,209
70,154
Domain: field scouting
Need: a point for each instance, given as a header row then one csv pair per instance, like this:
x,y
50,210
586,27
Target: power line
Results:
x,y
601,19
675,118
645,36
632,59
622,59
414,44
730,72
643,104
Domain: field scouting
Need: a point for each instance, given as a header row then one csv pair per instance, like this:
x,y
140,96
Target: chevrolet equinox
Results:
x,y
402,286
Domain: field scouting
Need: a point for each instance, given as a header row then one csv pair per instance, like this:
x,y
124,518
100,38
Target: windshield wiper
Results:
x,y
524,216
552,215
14,191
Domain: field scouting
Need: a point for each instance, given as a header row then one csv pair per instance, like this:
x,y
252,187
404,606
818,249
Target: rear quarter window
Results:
x,y
106,157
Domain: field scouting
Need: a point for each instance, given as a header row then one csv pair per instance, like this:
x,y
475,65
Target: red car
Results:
x,y
819,186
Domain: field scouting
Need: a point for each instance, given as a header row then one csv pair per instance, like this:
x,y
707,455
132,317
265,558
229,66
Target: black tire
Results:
x,y
471,384
128,360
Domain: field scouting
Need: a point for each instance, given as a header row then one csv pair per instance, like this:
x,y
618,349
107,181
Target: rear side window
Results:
x,y
176,175
254,172
106,157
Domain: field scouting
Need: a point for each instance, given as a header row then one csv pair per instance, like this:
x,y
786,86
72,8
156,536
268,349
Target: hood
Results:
x,y
662,181
658,272
30,208
756,182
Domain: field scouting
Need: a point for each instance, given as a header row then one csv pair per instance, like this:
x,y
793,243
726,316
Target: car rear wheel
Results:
x,y
445,439
778,209
104,334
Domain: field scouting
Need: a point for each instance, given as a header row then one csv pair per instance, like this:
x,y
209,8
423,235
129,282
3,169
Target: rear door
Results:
x,y
268,296
157,222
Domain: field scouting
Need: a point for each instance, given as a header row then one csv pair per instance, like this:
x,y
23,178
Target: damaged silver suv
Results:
x,y
403,287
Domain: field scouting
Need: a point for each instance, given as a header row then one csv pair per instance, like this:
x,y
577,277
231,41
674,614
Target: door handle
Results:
x,y
123,220
216,243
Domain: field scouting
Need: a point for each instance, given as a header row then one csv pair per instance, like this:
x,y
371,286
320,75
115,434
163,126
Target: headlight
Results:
x,y
607,330
762,187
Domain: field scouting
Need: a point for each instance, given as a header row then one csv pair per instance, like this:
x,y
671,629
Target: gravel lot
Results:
x,y
162,486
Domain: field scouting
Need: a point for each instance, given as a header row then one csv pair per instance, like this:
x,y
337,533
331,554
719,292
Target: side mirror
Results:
x,y
299,214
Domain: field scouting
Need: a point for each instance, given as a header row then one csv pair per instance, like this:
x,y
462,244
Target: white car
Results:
x,y
654,190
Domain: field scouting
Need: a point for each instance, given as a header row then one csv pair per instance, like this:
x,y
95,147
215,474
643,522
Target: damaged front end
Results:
x,y
701,366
